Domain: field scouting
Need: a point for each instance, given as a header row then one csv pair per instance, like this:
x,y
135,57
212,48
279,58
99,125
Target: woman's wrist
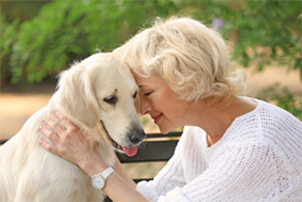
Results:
x,y
93,166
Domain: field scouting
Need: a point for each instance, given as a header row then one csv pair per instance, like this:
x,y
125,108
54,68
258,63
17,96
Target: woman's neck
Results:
x,y
216,120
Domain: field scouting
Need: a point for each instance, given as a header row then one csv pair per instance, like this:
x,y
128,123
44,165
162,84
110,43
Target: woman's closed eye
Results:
x,y
148,93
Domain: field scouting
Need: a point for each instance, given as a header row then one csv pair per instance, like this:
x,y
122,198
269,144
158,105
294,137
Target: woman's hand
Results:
x,y
72,144
80,148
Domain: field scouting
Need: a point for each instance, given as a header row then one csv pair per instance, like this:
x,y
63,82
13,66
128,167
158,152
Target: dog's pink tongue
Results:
x,y
130,151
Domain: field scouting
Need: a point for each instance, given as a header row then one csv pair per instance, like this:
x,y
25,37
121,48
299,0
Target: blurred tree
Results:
x,y
282,97
14,13
262,32
62,31
23,10
8,37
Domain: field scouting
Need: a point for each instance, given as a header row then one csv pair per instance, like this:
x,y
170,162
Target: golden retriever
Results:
x,y
98,95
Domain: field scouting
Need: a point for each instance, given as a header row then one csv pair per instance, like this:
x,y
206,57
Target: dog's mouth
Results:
x,y
130,151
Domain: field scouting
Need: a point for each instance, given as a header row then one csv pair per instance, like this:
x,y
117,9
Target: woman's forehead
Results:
x,y
150,81
140,81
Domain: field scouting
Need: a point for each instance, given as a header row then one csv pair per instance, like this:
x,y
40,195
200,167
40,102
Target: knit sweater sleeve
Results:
x,y
233,174
170,177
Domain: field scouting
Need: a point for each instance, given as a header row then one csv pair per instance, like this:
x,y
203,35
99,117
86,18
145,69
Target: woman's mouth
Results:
x,y
157,117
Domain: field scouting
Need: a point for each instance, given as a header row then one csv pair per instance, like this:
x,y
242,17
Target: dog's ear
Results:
x,y
77,98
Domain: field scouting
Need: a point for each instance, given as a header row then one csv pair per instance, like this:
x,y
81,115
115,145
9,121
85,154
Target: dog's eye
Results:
x,y
135,94
111,100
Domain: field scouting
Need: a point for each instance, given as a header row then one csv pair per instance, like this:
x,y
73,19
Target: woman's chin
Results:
x,y
164,130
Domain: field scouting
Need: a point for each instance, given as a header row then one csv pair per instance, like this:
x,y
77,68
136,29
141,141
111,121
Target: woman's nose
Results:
x,y
145,106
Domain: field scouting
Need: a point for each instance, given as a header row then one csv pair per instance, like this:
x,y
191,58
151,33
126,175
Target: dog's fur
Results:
x,y
30,173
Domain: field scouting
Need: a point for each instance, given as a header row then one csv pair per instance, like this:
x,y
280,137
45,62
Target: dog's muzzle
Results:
x,y
135,134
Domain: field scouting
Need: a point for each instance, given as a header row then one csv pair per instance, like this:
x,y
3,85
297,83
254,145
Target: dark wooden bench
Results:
x,y
155,148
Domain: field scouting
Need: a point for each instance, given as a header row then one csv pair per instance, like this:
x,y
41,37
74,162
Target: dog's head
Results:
x,y
101,90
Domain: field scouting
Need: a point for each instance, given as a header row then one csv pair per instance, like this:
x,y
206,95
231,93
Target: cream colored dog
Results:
x,y
98,95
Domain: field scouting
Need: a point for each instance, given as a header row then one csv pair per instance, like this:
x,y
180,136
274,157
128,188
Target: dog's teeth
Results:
x,y
115,144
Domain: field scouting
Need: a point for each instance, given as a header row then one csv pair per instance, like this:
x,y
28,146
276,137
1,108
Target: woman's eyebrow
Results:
x,y
141,85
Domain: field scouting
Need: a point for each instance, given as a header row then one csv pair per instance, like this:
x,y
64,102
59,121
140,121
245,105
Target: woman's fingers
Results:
x,y
54,125
50,135
67,123
72,143
49,147
67,138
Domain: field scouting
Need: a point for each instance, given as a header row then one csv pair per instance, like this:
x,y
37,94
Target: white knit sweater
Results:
x,y
259,158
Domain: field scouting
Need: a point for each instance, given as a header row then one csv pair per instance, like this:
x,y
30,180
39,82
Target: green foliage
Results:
x,y
8,37
63,31
282,97
263,32
23,10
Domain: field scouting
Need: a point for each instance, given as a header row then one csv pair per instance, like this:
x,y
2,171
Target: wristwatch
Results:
x,y
98,180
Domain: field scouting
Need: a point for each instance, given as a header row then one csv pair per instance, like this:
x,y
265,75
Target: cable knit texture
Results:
x,y
259,158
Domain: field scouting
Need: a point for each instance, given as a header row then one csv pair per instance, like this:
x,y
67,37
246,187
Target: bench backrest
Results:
x,y
156,147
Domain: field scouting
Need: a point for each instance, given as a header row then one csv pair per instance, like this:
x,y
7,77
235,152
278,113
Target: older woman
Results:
x,y
233,148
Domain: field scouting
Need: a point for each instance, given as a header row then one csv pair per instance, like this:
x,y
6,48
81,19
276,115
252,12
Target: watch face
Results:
x,y
98,182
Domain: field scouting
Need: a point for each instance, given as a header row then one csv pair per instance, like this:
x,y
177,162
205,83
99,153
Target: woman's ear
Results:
x,y
77,99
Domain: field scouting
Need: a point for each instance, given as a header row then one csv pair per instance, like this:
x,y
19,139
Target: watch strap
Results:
x,y
107,172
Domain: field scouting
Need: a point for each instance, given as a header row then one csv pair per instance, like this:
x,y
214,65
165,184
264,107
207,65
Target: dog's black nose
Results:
x,y
136,136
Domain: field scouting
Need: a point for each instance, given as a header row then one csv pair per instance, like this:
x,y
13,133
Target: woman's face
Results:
x,y
158,100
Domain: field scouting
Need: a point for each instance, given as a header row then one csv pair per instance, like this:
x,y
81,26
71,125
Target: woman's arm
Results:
x,y
122,173
73,145
116,187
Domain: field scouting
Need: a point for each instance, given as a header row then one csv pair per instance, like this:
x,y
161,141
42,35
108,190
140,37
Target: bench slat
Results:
x,y
151,152
159,135
155,148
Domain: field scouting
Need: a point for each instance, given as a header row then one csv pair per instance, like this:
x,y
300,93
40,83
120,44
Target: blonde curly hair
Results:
x,y
192,58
